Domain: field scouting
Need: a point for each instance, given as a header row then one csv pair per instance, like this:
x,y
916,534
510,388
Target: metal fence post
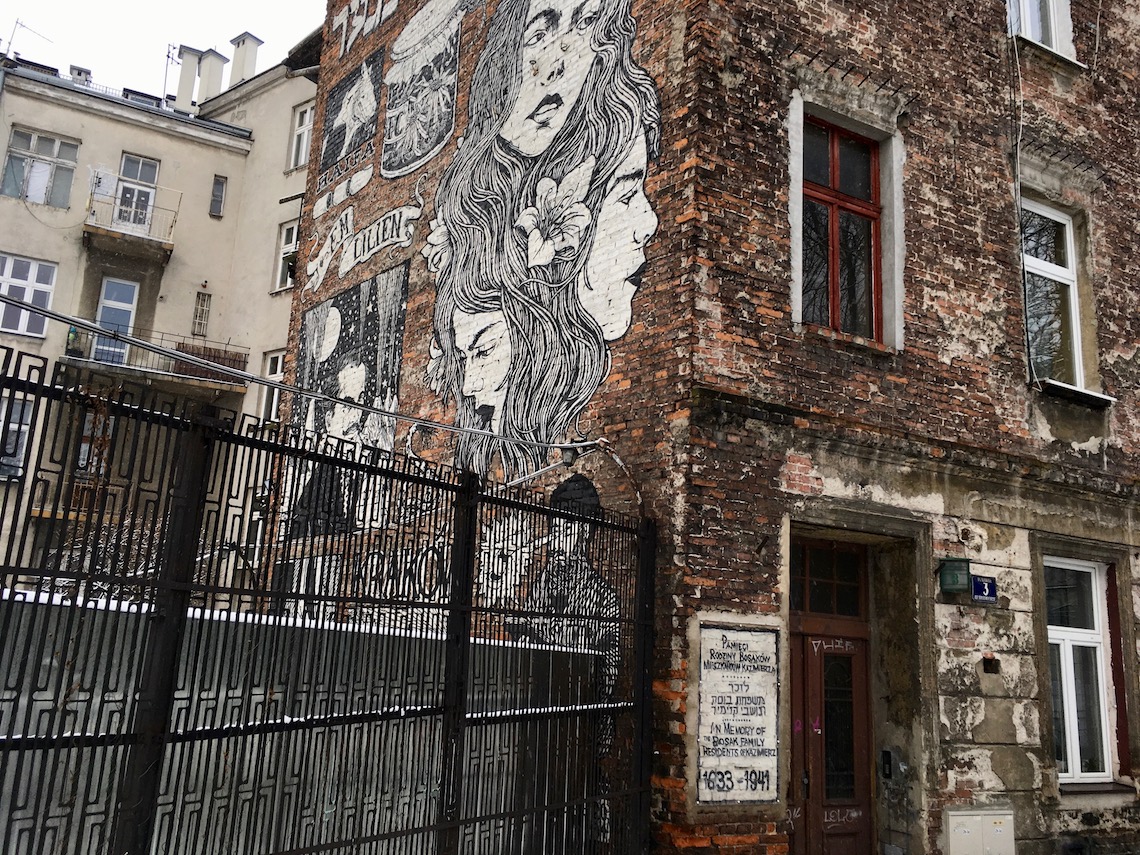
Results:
x,y
460,596
643,684
140,779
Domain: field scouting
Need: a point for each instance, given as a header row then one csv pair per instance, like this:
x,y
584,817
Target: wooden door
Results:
x,y
830,782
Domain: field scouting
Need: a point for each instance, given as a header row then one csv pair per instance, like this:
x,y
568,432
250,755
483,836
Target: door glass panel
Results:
x,y
855,168
817,156
1069,598
116,313
855,276
1086,685
1060,744
1050,326
838,728
816,291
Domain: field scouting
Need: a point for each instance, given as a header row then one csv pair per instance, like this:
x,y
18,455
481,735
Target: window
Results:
x,y
1051,298
827,578
201,313
30,281
1047,22
1077,617
116,313
39,168
302,135
286,255
139,176
218,196
273,369
841,230
15,422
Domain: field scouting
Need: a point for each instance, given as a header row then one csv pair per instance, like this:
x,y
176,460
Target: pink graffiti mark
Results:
x,y
798,726
815,726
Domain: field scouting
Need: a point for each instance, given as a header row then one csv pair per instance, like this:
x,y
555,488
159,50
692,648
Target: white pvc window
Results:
x,y
28,280
1076,602
116,313
39,168
286,253
1047,22
1052,305
273,369
302,135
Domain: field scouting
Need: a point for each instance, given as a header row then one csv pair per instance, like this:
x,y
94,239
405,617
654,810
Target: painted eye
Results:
x,y
587,22
534,38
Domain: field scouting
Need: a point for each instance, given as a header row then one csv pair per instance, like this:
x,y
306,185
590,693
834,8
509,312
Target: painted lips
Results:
x,y
547,107
634,278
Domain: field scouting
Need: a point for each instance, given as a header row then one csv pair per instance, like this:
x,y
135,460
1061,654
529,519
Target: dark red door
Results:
x,y
830,796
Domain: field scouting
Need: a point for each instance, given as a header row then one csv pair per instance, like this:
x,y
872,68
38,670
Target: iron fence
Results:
x,y
221,636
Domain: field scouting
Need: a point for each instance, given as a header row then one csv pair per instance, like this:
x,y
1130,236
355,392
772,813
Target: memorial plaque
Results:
x,y
737,756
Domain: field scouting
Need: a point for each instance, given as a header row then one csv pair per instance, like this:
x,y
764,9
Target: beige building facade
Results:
x,y
171,220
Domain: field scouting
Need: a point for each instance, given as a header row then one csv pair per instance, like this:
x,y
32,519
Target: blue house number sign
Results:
x,y
984,589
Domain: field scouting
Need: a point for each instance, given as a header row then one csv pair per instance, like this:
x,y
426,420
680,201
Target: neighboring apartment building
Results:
x,y
170,219
851,289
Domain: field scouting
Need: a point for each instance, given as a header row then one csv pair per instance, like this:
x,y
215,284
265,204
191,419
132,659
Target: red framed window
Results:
x,y
842,264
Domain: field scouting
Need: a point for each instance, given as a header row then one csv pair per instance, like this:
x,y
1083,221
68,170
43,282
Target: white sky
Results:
x,y
124,42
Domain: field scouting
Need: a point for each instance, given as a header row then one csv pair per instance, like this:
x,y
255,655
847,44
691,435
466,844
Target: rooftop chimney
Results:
x,y
187,77
80,75
245,57
211,74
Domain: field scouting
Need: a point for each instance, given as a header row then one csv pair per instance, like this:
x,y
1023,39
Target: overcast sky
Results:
x,y
124,42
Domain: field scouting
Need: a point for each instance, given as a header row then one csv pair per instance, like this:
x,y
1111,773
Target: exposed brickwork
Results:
x,y
738,423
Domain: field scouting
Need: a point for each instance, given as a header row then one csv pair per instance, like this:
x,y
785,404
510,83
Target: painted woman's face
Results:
x,y
556,57
625,223
485,343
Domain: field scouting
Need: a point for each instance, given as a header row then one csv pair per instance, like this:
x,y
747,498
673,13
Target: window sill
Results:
x,y
1057,389
285,290
848,338
1097,788
1065,63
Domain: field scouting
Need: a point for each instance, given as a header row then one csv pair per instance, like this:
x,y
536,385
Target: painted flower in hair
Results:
x,y
437,250
554,225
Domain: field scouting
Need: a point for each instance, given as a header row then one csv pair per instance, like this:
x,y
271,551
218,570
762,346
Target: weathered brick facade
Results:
x,y
747,430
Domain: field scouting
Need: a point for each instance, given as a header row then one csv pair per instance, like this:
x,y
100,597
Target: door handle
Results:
x,y
805,785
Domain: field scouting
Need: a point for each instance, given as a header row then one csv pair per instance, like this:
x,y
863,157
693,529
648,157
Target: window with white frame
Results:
x,y
218,196
302,134
273,369
39,168
286,255
15,424
201,313
1047,22
28,280
1052,305
1076,604
137,186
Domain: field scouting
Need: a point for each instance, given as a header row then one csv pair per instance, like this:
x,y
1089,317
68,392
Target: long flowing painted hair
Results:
x,y
558,355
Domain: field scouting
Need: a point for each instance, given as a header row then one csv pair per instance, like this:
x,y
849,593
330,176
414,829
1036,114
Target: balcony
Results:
x,y
124,212
161,369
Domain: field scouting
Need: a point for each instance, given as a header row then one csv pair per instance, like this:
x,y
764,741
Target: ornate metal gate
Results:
x,y
219,637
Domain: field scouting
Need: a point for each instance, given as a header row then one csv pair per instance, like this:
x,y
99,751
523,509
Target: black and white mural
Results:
x,y
352,349
541,223
421,88
351,121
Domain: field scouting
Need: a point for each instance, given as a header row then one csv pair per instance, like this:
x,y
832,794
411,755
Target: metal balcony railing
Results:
x,y
108,350
143,210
